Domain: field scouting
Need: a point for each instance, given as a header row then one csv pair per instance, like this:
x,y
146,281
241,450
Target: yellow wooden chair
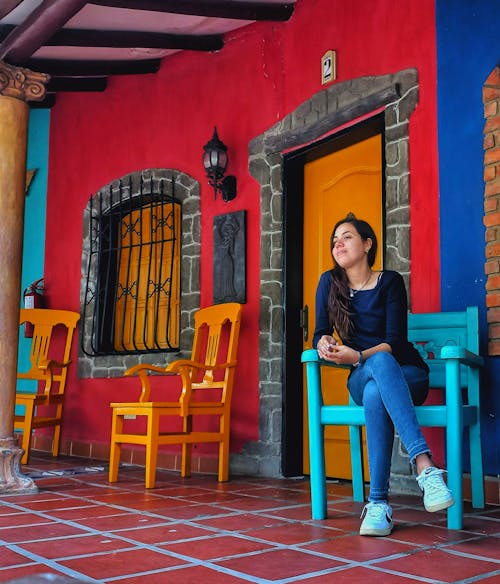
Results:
x,y
50,375
211,367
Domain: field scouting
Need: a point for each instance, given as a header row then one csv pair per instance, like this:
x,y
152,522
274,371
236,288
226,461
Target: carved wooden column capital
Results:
x,y
22,83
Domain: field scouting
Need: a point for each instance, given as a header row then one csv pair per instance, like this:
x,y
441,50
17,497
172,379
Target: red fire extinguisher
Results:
x,y
33,298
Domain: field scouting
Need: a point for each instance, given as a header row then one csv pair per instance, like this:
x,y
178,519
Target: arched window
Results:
x,y
135,299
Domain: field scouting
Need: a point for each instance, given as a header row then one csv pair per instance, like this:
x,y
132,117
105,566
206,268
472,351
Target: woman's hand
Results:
x,y
326,346
329,350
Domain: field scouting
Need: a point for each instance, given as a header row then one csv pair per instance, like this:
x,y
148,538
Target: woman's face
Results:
x,y
348,247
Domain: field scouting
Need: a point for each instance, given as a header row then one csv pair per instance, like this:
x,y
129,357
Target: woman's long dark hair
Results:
x,y
339,299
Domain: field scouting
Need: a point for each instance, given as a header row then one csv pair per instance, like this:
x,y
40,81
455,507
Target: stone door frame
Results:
x,y
340,104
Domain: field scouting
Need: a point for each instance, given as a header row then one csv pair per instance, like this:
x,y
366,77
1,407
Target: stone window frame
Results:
x,y
187,192
491,146
397,95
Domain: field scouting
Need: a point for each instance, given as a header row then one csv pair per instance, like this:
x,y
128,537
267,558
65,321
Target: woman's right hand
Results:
x,y
326,347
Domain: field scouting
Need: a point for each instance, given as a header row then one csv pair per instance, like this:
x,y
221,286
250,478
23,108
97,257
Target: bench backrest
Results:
x,y
429,332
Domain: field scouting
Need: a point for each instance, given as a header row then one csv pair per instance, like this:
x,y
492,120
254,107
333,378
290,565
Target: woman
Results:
x,y
361,320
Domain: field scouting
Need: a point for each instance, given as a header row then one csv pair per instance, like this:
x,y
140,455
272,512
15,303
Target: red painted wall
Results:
x,y
263,73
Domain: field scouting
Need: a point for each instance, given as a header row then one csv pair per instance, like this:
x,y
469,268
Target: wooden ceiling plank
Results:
x,y
45,20
244,10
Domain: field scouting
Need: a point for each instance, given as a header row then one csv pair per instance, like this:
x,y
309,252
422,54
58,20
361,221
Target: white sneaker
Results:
x,y
377,519
437,496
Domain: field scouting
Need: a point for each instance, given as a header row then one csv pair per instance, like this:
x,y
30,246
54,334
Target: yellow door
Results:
x,y
347,180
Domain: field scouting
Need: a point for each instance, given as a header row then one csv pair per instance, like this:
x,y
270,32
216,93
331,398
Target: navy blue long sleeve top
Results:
x,y
379,316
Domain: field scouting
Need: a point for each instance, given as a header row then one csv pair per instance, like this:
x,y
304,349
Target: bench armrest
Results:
x,y
463,355
311,356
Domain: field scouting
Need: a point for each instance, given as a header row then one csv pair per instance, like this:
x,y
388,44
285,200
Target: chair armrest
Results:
x,y
23,397
144,368
310,355
177,366
43,373
182,367
181,364
463,355
51,364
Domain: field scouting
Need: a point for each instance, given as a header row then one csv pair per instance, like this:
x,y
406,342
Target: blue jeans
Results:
x,y
388,392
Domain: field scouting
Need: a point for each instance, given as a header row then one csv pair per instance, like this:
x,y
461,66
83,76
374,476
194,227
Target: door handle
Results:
x,y
304,322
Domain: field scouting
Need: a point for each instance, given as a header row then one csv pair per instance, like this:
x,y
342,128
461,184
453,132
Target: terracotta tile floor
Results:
x,y
82,528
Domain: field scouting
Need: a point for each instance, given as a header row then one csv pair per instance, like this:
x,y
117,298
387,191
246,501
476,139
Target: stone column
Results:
x,y
17,87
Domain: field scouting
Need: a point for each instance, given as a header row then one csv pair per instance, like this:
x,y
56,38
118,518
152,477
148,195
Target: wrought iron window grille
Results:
x,y
133,298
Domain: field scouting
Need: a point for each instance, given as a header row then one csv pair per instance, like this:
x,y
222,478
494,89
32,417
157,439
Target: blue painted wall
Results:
x,y
35,208
468,49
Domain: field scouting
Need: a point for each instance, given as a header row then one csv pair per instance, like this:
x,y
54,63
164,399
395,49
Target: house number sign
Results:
x,y
328,67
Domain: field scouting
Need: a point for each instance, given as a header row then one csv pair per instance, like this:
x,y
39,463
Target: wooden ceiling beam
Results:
x,y
46,103
67,68
127,39
77,84
134,39
43,22
244,10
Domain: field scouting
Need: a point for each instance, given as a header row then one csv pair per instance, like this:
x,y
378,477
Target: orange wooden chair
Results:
x,y
50,374
211,367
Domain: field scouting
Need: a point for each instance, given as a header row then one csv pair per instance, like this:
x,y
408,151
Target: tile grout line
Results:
x,y
217,531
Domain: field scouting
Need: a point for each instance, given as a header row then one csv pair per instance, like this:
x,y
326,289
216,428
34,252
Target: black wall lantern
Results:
x,y
215,163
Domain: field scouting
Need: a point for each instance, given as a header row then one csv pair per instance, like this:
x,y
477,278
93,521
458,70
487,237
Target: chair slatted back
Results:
x,y
44,321
209,325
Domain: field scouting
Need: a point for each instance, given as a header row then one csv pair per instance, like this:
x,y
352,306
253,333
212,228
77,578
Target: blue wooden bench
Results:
x,y
449,342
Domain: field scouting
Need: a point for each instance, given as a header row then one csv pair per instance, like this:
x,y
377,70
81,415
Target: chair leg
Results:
x,y
186,459
356,444
224,460
476,466
56,440
57,431
186,448
25,446
115,448
454,435
27,431
152,449
316,443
